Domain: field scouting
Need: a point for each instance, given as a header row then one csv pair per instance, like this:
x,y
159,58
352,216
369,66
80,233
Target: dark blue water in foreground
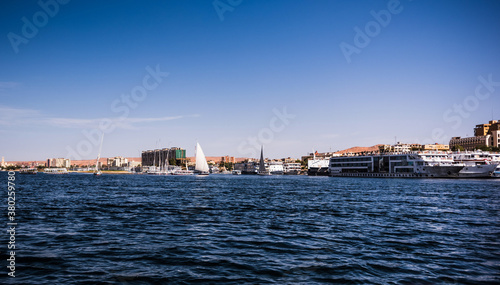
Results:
x,y
135,229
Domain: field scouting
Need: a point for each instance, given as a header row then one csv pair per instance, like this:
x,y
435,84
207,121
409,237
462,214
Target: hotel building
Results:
x,y
484,135
158,157
58,162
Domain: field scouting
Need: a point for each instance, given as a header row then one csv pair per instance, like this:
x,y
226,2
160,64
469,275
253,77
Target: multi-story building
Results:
x,y
58,162
484,135
470,143
318,155
291,168
435,147
483,129
117,161
248,167
494,132
159,157
227,159
399,147
403,148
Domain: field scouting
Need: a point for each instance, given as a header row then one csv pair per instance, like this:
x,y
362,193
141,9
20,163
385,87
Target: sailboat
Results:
x,y
262,166
97,171
201,167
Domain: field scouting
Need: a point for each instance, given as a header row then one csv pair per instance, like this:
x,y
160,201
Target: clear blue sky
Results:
x,y
228,70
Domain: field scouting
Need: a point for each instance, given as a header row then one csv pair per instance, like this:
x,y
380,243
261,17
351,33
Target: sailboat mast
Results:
x,y
262,166
99,154
168,152
154,158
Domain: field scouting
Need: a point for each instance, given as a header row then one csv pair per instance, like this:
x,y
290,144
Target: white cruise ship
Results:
x,y
55,171
431,164
318,167
477,164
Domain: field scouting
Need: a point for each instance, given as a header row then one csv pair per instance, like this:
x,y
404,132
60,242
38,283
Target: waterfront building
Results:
x,y
398,147
470,143
117,161
247,167
483,129
435,147
318,155
159,157
484,135
291,168
228,159
405,147
58,163
275,167
494,132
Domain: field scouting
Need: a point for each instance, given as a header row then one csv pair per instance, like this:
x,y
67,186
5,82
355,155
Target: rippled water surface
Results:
x,y
223,229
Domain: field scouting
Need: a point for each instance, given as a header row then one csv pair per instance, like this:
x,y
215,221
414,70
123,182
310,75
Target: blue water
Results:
x,y
223,229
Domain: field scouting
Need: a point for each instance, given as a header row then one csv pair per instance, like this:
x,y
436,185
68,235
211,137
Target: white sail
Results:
x,y
201,161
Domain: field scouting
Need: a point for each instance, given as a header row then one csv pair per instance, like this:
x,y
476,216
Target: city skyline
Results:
x,y
233,75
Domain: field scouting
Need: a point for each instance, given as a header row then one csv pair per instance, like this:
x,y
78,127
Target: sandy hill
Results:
x,y
358,149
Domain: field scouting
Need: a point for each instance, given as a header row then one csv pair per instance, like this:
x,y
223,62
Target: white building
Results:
x,y
58,162
276,167
291,167
117,161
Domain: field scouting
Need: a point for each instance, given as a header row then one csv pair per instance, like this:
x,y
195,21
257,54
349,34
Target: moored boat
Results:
x,y
97,171
318,167
183,172
55,171
477,164
28,171
416,165
201,167
263,171
496,173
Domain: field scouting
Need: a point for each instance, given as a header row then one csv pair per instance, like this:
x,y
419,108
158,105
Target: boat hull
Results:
x,y
442,171
429,172
182,173
313,171
478,171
